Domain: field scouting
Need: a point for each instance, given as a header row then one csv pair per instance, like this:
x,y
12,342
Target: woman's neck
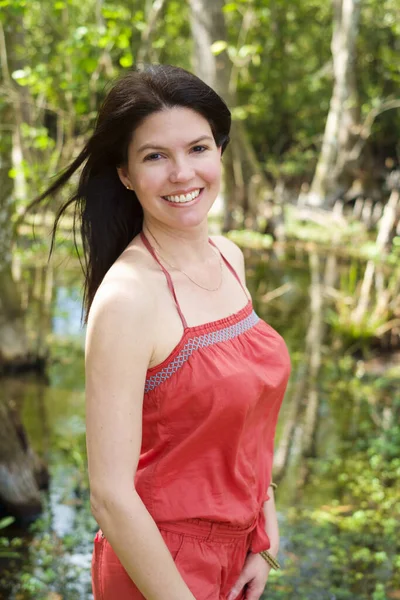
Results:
x,y
182,248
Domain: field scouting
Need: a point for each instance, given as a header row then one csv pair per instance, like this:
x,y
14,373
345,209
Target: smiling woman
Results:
x,y
180,418
178,173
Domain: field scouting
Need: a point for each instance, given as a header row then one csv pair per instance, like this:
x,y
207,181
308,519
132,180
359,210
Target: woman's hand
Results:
x,y
255,575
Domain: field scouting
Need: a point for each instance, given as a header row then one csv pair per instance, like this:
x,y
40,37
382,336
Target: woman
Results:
x,y
184,381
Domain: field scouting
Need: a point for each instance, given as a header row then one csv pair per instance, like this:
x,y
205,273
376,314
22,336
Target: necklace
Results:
x,y
188,276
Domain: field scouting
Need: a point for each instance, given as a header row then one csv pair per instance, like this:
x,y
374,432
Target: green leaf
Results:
x,y
20,74
81,32
123,41
230,7
218,47
6,521
126,61
239,113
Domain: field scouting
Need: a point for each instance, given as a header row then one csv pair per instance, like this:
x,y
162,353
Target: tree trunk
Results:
x,y
22,474
13,341
146,52
343,117
243,177
385,227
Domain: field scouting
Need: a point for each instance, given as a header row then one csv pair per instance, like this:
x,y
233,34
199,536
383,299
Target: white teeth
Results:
x,y
183,198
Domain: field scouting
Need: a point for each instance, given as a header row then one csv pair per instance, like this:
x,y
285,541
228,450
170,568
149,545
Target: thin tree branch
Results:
x,y
4,59
151,20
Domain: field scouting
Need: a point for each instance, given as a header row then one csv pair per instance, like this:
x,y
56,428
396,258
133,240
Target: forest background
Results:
x,y
312,173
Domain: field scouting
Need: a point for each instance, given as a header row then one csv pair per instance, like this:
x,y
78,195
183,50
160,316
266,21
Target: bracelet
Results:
x,y
270,560
273,485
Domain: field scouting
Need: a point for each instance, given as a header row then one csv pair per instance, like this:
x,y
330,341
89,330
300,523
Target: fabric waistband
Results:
x,y
215,531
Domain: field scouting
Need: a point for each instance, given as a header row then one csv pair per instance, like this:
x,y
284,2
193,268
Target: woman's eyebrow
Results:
x,y
156,147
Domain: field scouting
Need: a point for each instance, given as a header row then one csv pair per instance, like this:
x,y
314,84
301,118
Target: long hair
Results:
x,y
107,215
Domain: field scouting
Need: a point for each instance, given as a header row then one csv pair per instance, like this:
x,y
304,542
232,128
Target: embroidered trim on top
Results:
x,y
200,341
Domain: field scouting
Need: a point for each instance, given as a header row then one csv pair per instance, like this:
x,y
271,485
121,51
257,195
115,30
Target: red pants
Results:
x,y
209,556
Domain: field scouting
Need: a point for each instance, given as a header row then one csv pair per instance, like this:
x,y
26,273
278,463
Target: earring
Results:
x,y
127,187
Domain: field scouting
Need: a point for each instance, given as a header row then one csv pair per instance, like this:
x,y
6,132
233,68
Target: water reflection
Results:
x,y
66,321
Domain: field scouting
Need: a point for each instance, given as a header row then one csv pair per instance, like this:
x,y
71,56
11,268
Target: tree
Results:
x,y
22,473
343,117
13,341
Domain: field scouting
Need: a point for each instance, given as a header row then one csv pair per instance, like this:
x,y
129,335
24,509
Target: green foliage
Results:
x,y
8,547
250,239
375,320
67,57
6,522
285,77
348,548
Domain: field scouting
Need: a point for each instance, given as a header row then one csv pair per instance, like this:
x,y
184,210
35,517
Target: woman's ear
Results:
x,y
123,175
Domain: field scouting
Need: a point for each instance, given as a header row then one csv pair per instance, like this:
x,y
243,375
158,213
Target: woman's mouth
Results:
x,y
184,199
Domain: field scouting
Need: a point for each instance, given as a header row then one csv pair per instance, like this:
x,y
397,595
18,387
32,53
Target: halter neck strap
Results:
x,y
167,275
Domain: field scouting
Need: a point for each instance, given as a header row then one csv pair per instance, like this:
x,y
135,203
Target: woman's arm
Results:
x,y
271,521
119,346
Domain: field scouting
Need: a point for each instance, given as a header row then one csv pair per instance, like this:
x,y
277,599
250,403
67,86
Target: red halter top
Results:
x,y
209,416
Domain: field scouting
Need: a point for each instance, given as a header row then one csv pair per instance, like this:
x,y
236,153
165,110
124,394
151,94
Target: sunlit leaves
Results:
x,y
22,76
218,47
126,60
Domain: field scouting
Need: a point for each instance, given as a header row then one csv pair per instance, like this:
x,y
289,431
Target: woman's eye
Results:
x,y
152,156
202,148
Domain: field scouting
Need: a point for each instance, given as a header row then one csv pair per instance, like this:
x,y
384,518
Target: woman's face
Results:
x,y
174,167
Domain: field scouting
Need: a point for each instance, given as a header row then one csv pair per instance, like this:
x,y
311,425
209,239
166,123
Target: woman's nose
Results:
x,y
181,171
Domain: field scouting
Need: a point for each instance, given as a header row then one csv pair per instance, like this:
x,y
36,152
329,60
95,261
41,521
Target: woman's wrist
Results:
x,y
273,550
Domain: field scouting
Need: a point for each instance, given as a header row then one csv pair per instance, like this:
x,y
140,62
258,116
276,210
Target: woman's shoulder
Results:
x,y
232,252
224,243
120,334
125,292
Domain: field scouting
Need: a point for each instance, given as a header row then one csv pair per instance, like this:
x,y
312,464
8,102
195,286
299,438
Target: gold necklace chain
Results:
x,y
188,276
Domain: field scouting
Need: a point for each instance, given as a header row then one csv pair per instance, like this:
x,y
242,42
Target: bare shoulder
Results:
x,y
232,252
124,305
